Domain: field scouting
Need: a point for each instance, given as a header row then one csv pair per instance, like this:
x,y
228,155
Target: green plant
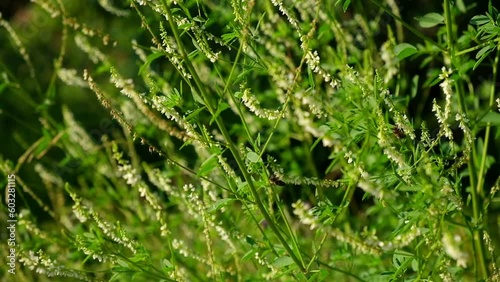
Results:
x,y
254,141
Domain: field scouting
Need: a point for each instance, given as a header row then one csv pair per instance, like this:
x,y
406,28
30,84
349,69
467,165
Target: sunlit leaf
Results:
x,y
431,20
405,50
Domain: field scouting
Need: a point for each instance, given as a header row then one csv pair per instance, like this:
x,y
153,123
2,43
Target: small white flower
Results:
x,y
348,156
451,246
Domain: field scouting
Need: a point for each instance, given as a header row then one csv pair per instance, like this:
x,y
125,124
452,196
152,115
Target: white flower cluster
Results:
x,y
197,209
181,248
390,151
405,239
278,172
47,176
313,62
314,104
385,142
201,40
495,276
141,54
95,55
141,2
369,187
108,6
159,103
305,214
129,174
390,62
70,77
240,9
263,261
386,246
48,7
444,267
226,167
170,48
20,47
126,86
301,180
442,116
100,96
254,106
115,233
25,221
356,243
349,157
462,123
452,247
96,253
77,134
286,13
425,136
42,264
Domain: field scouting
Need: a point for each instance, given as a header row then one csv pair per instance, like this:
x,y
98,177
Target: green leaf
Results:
x,y
492,117
219,204
461,6
482,54
167,265
139,257
122,263
485,50
250,240
228,37
207,166
173,99
253,157
194,114
319,276
43,143
345,5
404,50
2,87
185,26
248,255
282,262
238,94
310,77
323,128
199,19
479,20
149,60
414,86
430,20
220,108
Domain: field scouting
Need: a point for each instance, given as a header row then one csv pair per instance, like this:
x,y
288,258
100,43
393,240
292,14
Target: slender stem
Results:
x,y
482,171
481,268
477,47
480,181
230,144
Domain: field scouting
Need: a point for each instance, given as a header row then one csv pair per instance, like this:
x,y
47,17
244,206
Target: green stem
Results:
x,y
289,228
482,170
481,268
477,47
230,144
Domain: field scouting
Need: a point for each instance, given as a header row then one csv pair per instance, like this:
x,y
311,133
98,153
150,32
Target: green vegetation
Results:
x,y
156,140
